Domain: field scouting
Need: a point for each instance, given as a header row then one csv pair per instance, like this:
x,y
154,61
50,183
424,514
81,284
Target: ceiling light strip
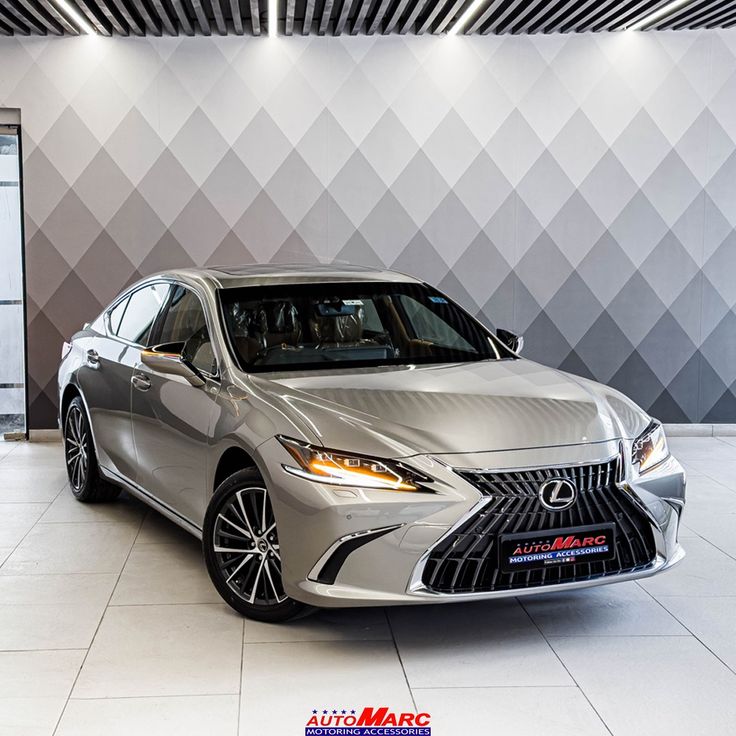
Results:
x,y
273,18
657,14
464,19
75,16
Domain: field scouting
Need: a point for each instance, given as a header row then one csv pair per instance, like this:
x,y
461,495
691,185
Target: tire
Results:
x,y
81,460
249,580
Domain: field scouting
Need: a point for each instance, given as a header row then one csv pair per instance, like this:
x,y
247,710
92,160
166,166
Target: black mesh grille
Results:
x,y
466,561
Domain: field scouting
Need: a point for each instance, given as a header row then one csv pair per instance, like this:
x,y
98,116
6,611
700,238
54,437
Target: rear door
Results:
x,y
171,418
106,382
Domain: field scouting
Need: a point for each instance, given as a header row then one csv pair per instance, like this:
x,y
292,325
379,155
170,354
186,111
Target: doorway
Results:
x,y
12,287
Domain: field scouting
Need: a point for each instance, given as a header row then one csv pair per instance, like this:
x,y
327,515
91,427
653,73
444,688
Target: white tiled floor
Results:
x,y
108,624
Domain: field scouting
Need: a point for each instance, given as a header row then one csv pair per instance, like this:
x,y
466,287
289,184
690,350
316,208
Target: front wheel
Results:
x,y
242,551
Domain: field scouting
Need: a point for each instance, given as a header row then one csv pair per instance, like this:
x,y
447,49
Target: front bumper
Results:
x,y
316,519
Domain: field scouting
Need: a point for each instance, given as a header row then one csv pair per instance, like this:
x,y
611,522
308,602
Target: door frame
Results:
x,y
14,128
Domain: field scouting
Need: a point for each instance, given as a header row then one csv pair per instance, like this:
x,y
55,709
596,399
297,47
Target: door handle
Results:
x,y
93,359
141,382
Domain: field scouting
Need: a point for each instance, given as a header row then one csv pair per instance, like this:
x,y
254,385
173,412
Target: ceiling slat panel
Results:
x,y
89,10
308,17
219,17
182,17
204,24
555,21
324,21
153,24
255,17
114,18
408,23
380,15
529,20
9,18
237,15
450,15
490,12
399,10
624,18
167,22
425,22
36,22
135,24
705,13
343,17
366,17
586,9
360,17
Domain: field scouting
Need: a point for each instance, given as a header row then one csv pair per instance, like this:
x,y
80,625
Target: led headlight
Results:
x,y
340,469
650,448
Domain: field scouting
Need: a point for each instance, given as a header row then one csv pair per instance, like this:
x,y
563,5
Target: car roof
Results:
x,y
264,274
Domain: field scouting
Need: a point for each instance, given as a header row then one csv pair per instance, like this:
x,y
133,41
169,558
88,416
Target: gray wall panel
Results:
x,y
576,188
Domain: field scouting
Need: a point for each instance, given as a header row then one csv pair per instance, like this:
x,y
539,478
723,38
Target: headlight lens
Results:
x,y
650,448
340,469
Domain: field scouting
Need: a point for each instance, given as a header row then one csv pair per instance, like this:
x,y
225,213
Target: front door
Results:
x,y
171,418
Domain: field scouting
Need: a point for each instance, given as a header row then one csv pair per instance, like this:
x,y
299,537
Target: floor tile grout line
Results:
x,y
97,628
33,526
401,661
559,659
687,628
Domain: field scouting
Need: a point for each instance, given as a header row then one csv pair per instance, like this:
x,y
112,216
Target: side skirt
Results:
x,y
143,495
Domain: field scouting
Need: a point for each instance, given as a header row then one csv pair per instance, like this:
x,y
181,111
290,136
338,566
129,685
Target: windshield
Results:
x,y
310,326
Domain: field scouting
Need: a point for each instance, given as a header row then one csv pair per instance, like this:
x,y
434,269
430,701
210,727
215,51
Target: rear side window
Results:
x,y
133,318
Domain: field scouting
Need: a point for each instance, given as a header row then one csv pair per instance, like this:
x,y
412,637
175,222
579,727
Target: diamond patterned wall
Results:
x,y
578,189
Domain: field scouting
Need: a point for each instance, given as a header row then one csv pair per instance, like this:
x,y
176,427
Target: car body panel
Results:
x,y
165,444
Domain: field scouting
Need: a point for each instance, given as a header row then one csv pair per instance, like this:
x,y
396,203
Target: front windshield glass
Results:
x,y
331,325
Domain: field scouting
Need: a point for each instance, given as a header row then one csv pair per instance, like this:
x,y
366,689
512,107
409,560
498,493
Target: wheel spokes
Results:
x,y
247,549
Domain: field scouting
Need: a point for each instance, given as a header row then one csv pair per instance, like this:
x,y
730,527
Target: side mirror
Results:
x,y
168,359
515,343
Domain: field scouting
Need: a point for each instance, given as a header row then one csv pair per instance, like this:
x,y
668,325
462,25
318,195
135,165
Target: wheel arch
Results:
x,y
69,393
232,459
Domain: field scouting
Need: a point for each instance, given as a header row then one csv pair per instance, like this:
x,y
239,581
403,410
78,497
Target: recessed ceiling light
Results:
x,y
462,21
75,16
665,10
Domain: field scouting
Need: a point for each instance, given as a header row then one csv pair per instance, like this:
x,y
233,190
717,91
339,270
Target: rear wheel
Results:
x,y
242,551
81,461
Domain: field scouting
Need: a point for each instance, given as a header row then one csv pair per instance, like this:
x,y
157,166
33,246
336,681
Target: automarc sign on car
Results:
x,y
369,721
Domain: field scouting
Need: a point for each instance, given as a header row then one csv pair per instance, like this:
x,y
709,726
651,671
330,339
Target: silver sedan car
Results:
x,y
341,436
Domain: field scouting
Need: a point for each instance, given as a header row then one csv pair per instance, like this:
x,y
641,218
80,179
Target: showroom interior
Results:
x,y
562,169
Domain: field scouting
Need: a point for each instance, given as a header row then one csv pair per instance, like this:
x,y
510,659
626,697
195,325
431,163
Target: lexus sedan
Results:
x,y
341,436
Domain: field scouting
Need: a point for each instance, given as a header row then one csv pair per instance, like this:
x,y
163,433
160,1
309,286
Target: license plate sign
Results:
x,y
551,548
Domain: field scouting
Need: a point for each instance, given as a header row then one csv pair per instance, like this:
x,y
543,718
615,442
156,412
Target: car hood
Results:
x,y
451,408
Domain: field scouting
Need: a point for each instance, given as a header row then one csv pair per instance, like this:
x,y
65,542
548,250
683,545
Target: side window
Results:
x,y
139,313
116,314
185,322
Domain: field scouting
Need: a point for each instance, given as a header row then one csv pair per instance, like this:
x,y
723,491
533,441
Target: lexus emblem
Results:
x,y
557,494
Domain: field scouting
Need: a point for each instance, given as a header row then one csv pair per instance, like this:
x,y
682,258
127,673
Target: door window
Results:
x,y
134,321
185,323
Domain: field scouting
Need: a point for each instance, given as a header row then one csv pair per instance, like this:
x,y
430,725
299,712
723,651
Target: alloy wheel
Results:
x,y
246,547
76,448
